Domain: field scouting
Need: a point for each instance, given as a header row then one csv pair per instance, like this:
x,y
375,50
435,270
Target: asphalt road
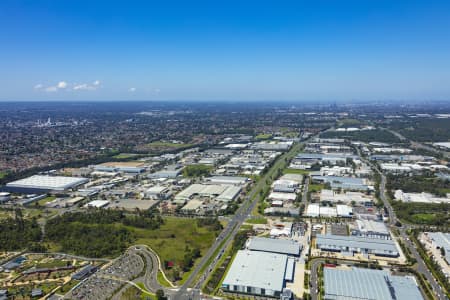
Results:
x,y
305,192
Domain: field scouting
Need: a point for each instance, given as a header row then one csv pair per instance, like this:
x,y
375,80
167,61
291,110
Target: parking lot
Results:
x,y
105,282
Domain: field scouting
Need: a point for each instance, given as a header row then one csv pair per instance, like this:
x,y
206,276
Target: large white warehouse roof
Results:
x,y
45,182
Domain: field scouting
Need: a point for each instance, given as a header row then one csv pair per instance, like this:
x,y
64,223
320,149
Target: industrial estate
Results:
x,y
348,208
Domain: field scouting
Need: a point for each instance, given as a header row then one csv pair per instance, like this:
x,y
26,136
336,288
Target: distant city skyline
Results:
x,y
225,51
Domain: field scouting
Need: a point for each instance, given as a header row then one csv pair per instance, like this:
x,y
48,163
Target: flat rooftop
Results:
x,y
131,204
249,271
355,242
359,283
45,182
288,247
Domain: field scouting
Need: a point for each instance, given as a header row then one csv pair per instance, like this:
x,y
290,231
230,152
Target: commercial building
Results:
x,y
280,246
222,193
371,229
97,203
85,272
258,273
368,284
4,196
314,210
345,183
132,204
347,197
441,240
158,192
420,197
282,211
172,171
350,245
272,146
45,183
125,167
234,180
285,197
192,206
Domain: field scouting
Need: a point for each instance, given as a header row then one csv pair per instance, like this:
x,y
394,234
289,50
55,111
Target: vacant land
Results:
x,y
174,237
263,136
256,220
316,187
197,170
296,171
423,213
42,202
423,130
418,184
125,155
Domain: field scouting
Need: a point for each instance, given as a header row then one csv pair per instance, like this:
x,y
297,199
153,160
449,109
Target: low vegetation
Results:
x,y
198,170
376,135
18,233
423,213
424,130
98,233
179,242
418,184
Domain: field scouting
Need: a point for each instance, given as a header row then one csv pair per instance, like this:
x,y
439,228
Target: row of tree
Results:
x,y
19,233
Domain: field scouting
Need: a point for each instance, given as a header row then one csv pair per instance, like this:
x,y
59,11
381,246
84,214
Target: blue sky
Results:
x,y
225,50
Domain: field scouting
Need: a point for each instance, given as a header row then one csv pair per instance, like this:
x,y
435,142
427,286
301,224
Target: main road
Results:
x,y
233,226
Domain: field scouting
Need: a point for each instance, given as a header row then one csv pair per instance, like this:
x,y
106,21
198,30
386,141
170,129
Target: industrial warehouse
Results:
x,y
350,245
367,284
222,193
280,246
249,275
45,183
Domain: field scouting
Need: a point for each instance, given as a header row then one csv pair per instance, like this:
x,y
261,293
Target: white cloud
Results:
x,y
157,91
62,85
132,90
51,89
83,87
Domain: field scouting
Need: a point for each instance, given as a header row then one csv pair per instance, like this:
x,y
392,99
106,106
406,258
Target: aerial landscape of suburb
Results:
x,y
240,150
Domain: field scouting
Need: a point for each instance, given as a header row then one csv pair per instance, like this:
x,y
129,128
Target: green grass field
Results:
x,y
146,293
175,234
257,220
162,281
42,202
315,187
423,218
296,171
263,136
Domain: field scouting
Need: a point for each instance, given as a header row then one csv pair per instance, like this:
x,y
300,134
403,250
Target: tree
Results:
x,y
160,295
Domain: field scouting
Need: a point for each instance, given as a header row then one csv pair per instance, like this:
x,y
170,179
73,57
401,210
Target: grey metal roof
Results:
x,y
355,242
257,269
359,283
442,240
289,247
